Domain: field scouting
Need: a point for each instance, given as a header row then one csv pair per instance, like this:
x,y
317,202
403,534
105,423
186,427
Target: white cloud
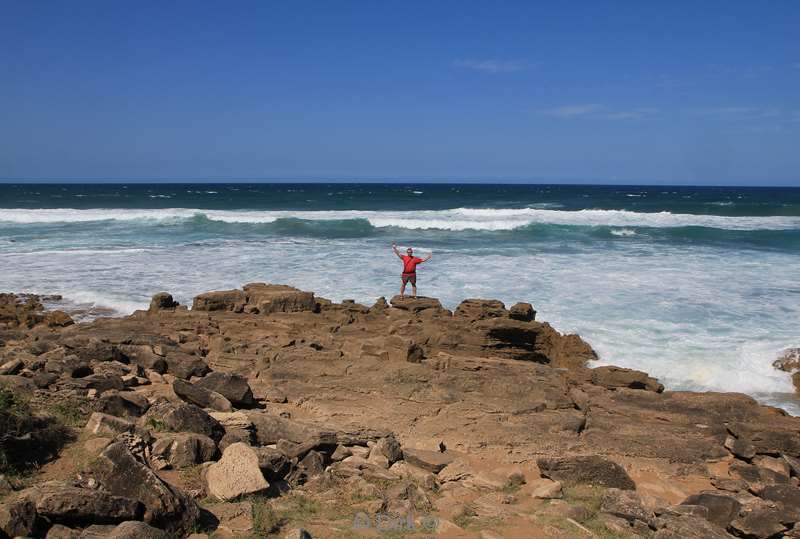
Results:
x,y
633,114
573,111
741,113
493,66
601,112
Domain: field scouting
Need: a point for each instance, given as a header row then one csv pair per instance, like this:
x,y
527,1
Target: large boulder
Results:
x,y
122,404
586,470
523,312
273,463
626,504
722,508
121,474
227,300
201,396
231,386
70,505
786,498
760,520
181,417
269,429
236,474
142,355
183,365
480,309
274,298
162,301
183,449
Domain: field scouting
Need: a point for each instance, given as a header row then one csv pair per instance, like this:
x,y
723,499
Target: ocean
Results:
x,y
698,286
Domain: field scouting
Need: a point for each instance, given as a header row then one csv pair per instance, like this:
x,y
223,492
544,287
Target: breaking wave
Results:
x,y
452,219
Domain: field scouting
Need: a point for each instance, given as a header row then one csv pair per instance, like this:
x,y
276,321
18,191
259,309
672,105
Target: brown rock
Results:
x,y
11,367
722,508
124,404
181,417
231,386
120,474
18,518
228,300
200,396
758,520
432,461
274,298
415,305
777,465
548,490
591,470
626,504
184,365
162,302
184,449
523,312
755,476
480,309
616,377
787,500
237,473
65,504
389,447
740,448
273,463
59,531
789,360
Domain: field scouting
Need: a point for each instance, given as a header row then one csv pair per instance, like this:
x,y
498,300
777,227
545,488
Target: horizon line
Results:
x,y
359,181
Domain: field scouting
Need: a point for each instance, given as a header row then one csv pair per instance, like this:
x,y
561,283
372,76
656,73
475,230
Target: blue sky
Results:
x,y
642,92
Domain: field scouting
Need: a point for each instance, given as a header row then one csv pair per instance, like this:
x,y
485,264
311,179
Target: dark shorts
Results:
x,y
412,277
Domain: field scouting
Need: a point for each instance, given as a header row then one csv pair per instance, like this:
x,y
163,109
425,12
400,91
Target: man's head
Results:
x,y
410,251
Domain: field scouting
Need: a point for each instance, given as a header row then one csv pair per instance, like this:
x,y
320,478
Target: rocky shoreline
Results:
x,y
270,412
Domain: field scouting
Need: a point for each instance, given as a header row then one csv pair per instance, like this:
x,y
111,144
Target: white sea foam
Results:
x,y
624,232
454,219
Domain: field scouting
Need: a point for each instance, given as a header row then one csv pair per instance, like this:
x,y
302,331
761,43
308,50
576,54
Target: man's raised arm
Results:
x,y
394,248
428,257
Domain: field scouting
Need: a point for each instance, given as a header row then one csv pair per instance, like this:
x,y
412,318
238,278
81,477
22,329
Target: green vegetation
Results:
x,y
29,436
72,412
513,483
590,498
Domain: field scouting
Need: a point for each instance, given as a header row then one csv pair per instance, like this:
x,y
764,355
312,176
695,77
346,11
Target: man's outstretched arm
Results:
x,y
394,248
428,257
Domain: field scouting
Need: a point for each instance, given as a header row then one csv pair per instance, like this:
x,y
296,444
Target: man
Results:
x,y
409,268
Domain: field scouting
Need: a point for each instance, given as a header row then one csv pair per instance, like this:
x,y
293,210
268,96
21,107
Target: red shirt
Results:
x,y
410,263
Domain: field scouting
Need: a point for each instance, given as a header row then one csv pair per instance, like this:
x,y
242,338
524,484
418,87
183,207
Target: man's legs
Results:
x,y
414,289
403,288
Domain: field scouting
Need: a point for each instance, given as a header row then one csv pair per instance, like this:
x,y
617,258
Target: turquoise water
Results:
x,y
698,286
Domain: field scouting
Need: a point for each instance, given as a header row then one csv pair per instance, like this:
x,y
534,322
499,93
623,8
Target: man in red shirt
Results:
x,y
409,268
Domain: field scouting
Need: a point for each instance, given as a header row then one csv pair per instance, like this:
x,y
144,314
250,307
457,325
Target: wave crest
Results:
x,y
452,219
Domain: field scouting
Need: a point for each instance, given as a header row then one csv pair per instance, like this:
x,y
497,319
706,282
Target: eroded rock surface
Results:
x,y
484,417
